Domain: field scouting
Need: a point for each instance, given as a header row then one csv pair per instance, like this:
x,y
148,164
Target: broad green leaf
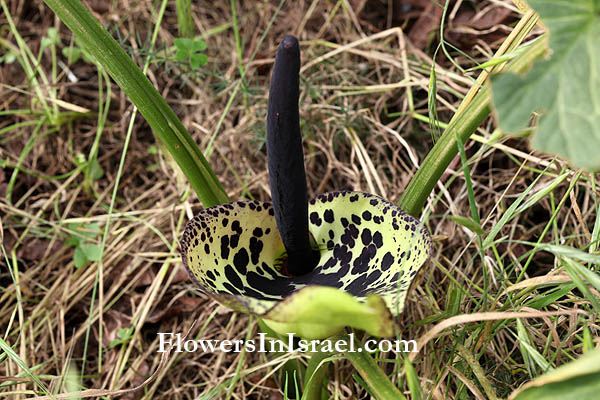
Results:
x,y
96,171
72,53
577,380
184,43
564,88
79,257
182,54
199,45
92,251
197,60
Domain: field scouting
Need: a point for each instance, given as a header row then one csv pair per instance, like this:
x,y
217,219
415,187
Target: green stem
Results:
x,y
293,368
315,374
378,382
165,124
442,153
470,115
380,385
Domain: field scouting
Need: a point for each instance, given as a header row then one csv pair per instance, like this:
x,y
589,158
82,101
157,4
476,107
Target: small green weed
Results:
x,y
81,239
190,51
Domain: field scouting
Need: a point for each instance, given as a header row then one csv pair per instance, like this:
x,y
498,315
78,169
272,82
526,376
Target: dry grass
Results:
x,y
360,90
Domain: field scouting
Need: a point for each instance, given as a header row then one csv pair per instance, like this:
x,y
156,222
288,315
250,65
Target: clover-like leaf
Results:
x,y
182,54
124,335
52,38
183,43
189,49
198,45
198,60
72,53
84,250
79,257
92,251
565,88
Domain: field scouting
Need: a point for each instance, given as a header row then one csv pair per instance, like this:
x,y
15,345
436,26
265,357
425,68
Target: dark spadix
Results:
x,y
286,160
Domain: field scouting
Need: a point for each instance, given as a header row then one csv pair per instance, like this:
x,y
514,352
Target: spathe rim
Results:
x,y
374,249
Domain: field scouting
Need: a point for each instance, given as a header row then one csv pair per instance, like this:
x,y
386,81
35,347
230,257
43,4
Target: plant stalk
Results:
x,y
315,374
380,385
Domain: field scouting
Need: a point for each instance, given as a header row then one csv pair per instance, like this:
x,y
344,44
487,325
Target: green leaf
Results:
x,y
79,257
579,379
90,230
82,231
73,54
8,58
72,241
96,172
79,159
51,38
468,223
92,251
198,60
198,45
576,272
412,380
562,88
182,54
124,335
183,43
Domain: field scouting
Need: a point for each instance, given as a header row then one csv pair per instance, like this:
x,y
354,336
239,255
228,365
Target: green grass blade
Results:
x,y
167,127
185,22
543,192
468,182
372,375
8,350
506,216
577,274
412,380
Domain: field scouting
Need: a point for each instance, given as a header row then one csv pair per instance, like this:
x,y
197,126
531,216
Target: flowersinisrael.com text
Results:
x,y
292,344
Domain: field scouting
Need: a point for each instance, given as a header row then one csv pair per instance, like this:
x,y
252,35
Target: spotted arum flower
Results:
x,y
343,259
